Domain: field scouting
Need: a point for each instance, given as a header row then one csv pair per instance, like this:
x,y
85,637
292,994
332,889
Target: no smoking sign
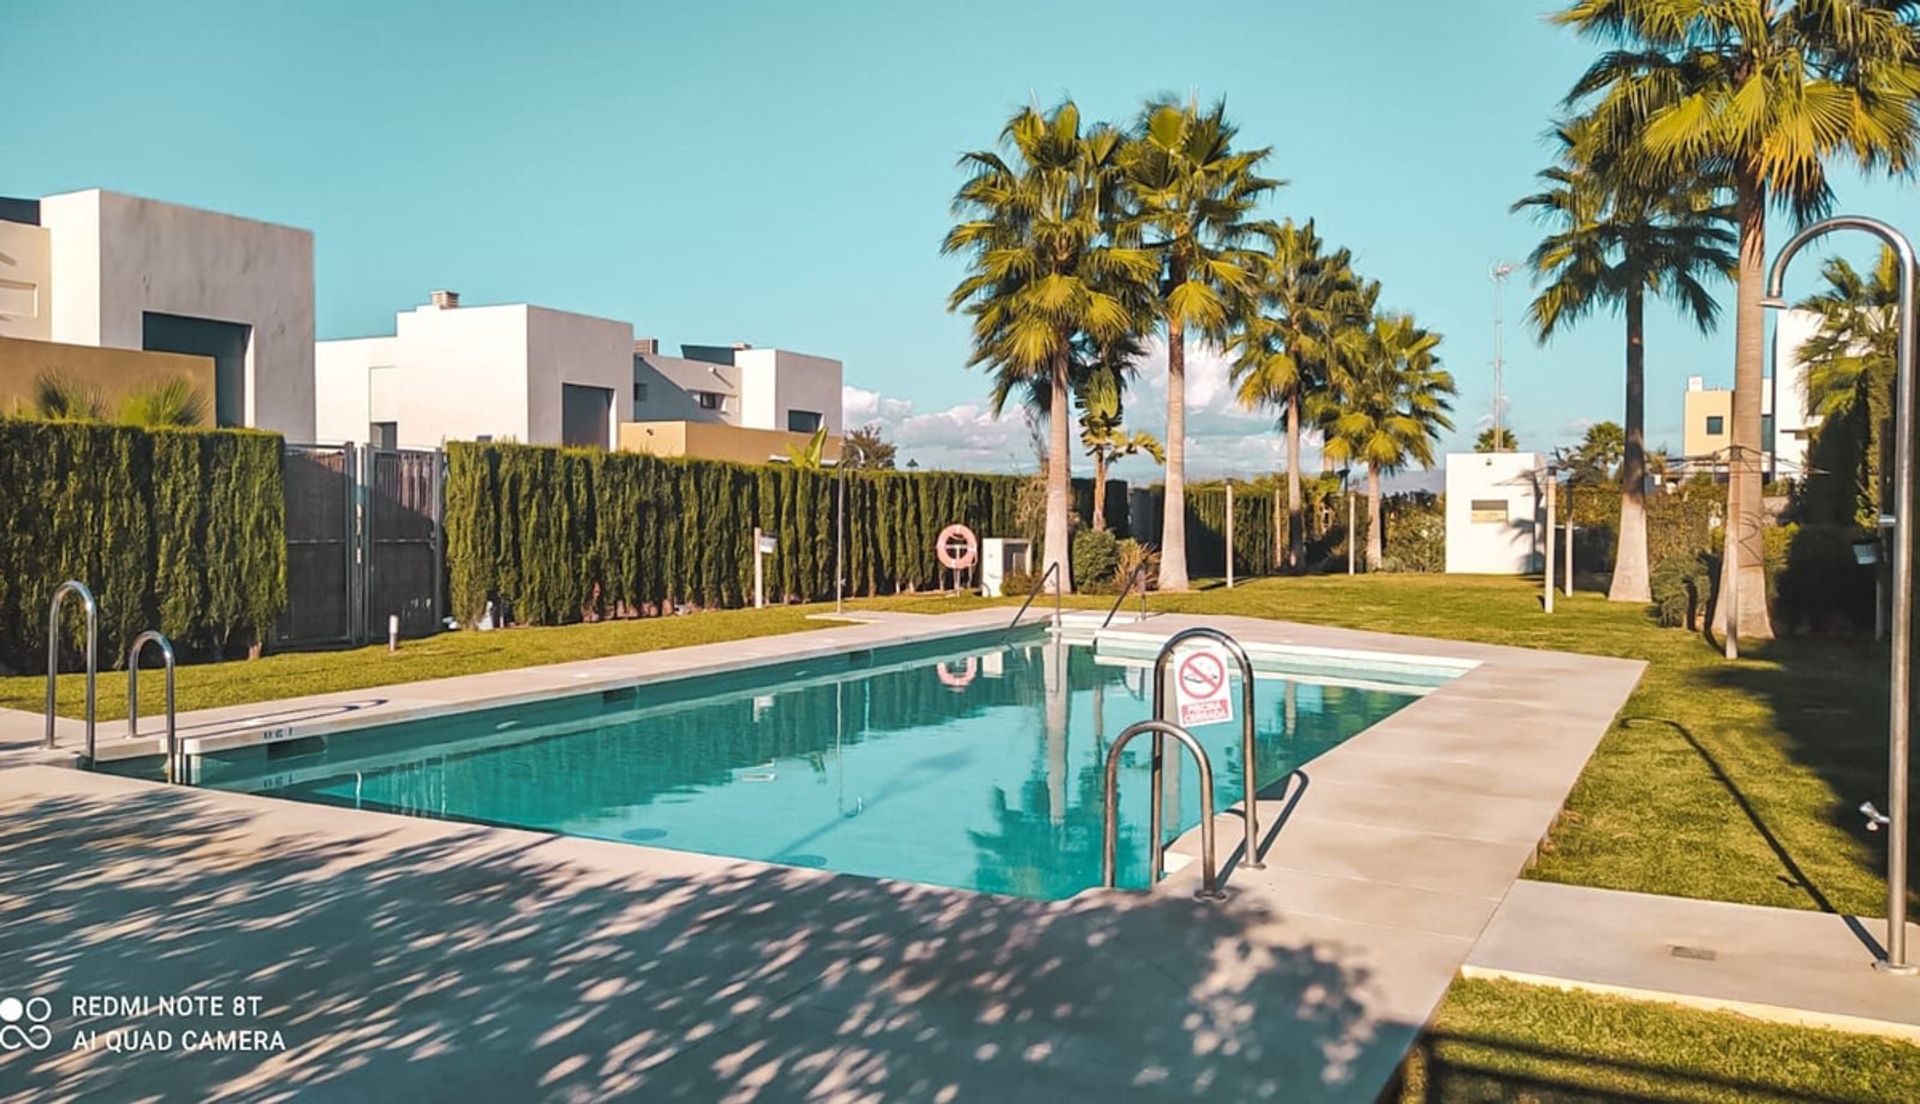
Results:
x,y
1200,687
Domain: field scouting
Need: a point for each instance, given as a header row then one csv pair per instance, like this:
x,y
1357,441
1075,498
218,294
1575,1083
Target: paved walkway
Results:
x,y
1787,965
416,960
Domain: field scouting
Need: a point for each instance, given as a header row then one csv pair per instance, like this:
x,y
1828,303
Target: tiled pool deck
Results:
x,y
406,959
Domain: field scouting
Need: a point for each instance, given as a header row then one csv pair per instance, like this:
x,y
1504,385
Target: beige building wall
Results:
x,y
26,281
1704,412
715,441
113,374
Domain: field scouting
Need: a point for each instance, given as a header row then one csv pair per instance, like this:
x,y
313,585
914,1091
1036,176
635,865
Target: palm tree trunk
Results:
x,y
1059,476
1100,491
1374,550
1296,519
1173,515
1630,549
1746,545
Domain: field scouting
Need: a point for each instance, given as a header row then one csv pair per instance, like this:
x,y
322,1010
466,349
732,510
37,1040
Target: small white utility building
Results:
x,y
513,372
1495,513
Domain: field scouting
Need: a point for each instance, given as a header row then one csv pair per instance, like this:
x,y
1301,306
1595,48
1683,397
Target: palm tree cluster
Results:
x,y
1696,120
1084,240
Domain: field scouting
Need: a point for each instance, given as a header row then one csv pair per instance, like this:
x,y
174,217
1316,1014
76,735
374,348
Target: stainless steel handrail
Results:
x,y
1053,572
1138,576
1110,828
1247,749
72,586
153,636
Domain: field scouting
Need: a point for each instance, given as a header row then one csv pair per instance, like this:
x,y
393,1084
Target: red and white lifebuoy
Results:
x,y
961,679
957,547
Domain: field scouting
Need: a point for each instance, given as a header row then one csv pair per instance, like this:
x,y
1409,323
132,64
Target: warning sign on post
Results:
x,y
1200,687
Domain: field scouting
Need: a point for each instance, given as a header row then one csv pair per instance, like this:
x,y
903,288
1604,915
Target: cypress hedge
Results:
x,y
179,529
560,535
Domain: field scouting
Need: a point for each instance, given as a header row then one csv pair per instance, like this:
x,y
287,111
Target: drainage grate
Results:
x,y
1701,954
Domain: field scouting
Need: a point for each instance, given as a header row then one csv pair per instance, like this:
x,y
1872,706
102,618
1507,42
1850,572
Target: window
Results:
x,y
803,421
384,435
586,416
709,400
1491,511
1716,425
639,393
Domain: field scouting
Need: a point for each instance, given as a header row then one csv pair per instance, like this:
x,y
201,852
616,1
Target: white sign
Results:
x,y
769,545
1200,689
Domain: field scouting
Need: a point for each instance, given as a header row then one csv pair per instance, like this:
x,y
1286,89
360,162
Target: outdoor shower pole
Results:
x,y
1229,532
840,537
1900,700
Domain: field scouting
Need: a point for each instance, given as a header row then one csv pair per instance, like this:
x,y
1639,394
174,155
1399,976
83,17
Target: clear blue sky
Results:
x,y
779,173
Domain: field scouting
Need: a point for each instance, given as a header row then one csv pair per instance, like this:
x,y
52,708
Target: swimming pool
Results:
x,y
974,763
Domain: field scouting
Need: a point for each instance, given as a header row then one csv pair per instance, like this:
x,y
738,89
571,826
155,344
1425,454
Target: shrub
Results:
x,y
1096,556
1416,534
1132,555
1822,588
183,530
1681,586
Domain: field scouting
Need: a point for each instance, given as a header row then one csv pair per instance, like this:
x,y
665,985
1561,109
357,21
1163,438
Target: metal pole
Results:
x,y
1730,601
1552,478
1350,531
1900,700
1500,271
759,573
1229,534
1566,581
840,541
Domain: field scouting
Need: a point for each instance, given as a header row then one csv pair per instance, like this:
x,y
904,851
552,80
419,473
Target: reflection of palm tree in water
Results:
x,y
1055,717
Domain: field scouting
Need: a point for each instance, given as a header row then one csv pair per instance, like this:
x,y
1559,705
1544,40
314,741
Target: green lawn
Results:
x,y
1504,1041
204,686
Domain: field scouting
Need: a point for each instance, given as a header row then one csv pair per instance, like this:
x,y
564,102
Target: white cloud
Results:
x,y
1222,436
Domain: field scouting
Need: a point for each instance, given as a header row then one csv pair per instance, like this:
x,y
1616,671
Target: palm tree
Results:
x,y
1100,388
1492,441
1761,93
1388,409
59,398
170,402
1191,195
1849,379
1284,346
1043,270
1611,243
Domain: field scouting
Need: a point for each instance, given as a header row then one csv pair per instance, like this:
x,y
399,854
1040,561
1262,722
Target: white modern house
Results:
x,y
546,377
1495,513
98,270
731,402
450,372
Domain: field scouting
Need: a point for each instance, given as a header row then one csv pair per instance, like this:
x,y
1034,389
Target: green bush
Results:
x,y
1415,527
1822,588
1096,556
559,535
1681,586
177,529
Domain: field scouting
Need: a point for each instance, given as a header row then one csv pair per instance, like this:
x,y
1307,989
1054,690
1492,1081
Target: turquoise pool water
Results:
x,y
975,766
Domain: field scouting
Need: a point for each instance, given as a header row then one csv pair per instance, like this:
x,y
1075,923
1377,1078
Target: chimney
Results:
x,y
646,346
445,300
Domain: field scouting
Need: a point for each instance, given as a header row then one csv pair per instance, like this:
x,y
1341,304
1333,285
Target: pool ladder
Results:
x,y
1161,728
74,588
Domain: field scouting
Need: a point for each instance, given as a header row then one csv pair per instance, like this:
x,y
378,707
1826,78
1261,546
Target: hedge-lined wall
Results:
x,y
562,534
180,530
1253,530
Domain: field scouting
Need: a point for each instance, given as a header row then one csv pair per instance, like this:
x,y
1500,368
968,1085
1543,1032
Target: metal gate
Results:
x,y
365,541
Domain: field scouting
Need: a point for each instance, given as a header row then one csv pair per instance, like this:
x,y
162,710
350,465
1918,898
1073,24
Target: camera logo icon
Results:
x,y
23,1023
